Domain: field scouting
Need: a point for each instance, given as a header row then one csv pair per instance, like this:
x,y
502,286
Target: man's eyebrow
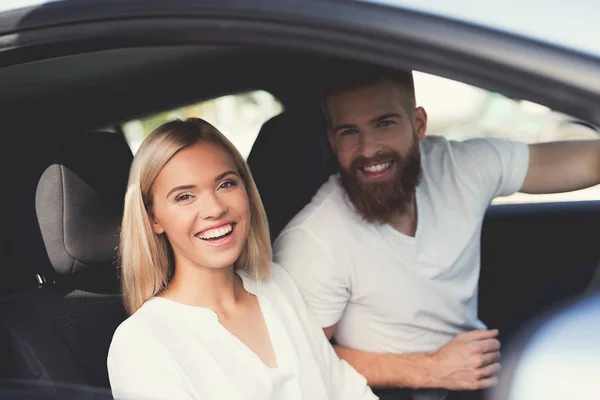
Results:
x,y
344,126
373,121
386,116
182,187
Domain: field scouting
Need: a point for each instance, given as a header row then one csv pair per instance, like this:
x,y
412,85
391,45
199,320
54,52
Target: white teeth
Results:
x,y
378,167
213,233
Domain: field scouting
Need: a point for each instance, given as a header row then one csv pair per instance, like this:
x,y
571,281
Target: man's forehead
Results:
x,y
367,101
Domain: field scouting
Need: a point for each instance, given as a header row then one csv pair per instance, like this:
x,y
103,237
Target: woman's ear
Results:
x,y
156,226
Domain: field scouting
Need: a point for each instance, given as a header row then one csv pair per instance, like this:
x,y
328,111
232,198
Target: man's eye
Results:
x,y
383,124
183,197
228,184
348,132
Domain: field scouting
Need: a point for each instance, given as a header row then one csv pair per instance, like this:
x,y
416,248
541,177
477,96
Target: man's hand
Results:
x,y
467,362
470,361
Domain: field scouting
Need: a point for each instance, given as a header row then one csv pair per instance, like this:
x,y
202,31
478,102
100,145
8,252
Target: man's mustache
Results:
x,y
362,161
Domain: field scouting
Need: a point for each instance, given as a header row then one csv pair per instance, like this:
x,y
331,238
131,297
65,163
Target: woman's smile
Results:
x,y
219,236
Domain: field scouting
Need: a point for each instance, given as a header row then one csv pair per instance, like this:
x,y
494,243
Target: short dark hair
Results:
x,y
341,75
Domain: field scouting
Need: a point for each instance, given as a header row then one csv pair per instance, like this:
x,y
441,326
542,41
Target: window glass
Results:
x,y
238,116
459,112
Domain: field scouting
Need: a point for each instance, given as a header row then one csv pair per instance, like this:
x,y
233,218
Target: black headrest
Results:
x,y
65,209
79,200
290,160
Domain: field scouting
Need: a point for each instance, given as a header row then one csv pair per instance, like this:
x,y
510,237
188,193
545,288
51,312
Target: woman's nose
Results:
x,y
211,207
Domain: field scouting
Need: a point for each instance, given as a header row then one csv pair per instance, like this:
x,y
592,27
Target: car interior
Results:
x,y
66,182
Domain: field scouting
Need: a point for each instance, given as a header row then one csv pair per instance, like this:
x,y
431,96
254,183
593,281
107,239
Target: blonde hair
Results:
x,y
147,261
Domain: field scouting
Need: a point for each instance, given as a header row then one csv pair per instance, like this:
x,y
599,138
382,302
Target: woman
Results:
x,y
211,316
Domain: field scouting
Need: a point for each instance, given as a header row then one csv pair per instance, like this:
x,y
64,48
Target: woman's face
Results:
x,y
201,205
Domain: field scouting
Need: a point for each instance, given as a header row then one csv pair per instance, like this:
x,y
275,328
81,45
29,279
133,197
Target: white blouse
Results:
x,y
168,350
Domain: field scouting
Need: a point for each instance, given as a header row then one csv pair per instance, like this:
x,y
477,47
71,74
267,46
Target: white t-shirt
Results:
x,y
167,350
389,292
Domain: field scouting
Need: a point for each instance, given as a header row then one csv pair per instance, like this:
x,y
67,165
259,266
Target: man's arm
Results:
x,y
322,277
562,166
467,362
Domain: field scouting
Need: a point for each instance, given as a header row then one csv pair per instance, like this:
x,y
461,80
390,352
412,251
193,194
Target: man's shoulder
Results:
x,y
445,155
435,147
437,158
325,222
327,207
473,168
439,145
433,143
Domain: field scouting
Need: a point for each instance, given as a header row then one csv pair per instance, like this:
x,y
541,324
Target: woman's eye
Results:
x,y
183,197
228,184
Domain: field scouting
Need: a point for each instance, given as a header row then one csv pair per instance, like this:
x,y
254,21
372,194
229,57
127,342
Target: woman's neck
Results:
x,y
218,289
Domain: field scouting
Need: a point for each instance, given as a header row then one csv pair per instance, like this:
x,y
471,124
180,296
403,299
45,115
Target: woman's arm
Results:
x,y
345,380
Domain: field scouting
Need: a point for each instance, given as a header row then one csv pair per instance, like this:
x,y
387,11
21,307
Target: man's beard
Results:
x,y
378,202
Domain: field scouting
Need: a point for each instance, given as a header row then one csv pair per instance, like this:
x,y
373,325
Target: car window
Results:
x,y
238,116
458,111
455,110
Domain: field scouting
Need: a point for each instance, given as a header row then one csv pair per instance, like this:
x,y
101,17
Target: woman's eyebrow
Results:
x,y
224,174
182,187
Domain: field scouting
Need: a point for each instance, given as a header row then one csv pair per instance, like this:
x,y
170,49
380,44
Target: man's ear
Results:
x,y
420,122
331,138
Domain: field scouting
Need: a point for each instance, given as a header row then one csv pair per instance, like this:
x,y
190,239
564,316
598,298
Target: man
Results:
x,y
387,253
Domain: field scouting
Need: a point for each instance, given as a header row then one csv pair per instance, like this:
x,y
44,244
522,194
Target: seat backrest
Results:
x,y
67,234
290,160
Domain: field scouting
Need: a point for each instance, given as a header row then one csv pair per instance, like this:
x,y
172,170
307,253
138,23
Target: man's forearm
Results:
x,y
390,370
562,166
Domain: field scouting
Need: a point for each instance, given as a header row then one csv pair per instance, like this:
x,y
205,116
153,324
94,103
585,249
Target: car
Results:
x,y
82,81
563,344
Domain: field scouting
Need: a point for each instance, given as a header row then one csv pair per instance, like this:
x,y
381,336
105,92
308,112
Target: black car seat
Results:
x,y
291,158
67,233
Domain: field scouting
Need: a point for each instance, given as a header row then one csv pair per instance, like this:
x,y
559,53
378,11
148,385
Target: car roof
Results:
x,y
515,66
571,25
7,5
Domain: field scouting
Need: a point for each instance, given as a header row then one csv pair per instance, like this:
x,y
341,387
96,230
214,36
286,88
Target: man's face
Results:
x,y
376,134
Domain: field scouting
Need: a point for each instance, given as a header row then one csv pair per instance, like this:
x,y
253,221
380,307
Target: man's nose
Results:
x,y
367,146
212,207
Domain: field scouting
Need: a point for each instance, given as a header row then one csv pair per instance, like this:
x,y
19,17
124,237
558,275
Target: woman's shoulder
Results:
x,y
138,329
281,284
278,282
139,361
278,274
279,277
